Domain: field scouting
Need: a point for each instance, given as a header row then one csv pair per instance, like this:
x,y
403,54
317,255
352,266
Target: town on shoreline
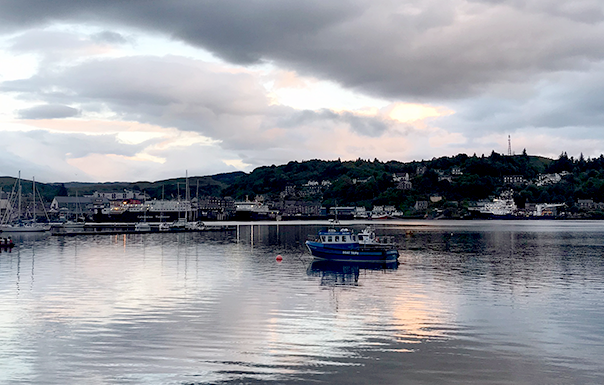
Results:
x,y
460,187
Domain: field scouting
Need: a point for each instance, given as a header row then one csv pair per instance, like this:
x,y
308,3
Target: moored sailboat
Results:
x,y
20,225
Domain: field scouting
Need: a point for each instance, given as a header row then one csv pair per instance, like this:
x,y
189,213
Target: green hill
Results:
x,y
371,182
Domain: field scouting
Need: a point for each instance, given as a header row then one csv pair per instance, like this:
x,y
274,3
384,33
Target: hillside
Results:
x,y
170,188
460,178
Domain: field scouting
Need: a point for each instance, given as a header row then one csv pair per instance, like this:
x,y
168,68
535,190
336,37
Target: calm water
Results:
x,y
470,303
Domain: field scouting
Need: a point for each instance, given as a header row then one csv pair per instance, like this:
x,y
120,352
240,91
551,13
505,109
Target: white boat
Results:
x,y
142,226
195,226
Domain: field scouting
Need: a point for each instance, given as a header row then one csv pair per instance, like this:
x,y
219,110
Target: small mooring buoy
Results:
x,y
279,258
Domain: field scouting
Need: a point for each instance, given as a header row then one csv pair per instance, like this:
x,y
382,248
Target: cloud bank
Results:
x,y
436,79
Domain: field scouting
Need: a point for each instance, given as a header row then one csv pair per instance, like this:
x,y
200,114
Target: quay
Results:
x,y
112,228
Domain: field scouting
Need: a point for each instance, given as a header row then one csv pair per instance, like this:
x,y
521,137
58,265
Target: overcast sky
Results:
x,y
95,90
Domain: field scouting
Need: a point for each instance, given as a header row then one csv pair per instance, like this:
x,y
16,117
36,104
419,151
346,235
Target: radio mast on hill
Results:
x,y
509,146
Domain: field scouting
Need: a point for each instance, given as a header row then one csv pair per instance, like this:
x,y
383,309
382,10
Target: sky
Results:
x,y
137,90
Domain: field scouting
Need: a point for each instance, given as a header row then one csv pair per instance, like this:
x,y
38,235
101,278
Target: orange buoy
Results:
x,y
279,258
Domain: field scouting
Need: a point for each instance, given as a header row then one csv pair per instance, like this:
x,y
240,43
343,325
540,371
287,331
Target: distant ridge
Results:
x,y
456,179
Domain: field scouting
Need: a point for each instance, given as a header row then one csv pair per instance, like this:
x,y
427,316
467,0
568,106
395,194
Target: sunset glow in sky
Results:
x,y
128,91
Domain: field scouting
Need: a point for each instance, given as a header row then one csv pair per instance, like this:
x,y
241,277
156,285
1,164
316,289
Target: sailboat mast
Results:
x,y
19,190
187,195
34,194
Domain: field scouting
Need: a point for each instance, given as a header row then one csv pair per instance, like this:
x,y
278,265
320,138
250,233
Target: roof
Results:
x,y
84,200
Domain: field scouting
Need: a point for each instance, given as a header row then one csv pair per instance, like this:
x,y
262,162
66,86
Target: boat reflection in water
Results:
x,y
335,273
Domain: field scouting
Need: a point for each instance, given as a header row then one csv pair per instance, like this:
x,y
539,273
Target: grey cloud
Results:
x,y
109,37
149,88
176,92
401,50
48,111
47,42
574,102
364,125
81,145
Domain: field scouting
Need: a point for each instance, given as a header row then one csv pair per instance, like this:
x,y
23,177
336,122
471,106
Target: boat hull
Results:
x,y
368,255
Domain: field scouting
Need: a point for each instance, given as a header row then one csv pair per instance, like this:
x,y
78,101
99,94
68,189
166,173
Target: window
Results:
x,y
337,238
360,237
329,239
323,238
344,238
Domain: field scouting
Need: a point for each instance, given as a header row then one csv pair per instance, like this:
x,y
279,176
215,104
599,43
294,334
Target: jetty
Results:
x,y
89,228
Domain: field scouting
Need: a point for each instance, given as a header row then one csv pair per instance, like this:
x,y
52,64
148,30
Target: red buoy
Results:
x,y
279,258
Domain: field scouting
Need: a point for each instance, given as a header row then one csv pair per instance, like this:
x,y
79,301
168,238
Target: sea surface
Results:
x,y
473,302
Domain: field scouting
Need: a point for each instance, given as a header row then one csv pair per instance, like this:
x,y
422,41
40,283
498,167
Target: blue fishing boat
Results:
x,y
345,245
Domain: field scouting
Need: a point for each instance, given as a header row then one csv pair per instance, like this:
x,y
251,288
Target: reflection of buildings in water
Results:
x,y
289,235
344,273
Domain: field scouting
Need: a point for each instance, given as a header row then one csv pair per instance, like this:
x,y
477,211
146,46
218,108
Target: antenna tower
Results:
x,y
509,146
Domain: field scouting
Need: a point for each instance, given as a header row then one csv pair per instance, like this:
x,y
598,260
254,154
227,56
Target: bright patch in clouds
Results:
x,y
289,89
130,137
411,112
237,163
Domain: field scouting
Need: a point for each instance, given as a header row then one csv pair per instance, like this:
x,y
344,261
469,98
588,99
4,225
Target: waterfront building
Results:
x,y
68,207
121,195
215,208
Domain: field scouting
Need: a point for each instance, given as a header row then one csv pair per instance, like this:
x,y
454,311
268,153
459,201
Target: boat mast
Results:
x,y
161,213
33,178
19,191
187,194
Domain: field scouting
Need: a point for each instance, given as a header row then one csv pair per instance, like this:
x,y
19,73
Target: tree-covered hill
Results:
x,y
458,178
372,182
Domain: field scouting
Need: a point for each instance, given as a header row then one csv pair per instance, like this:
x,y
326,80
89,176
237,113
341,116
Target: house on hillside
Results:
x,y
548,179
402,181
514,179
421,205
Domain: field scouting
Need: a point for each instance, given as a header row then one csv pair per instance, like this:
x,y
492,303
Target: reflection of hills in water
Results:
x,y
344,273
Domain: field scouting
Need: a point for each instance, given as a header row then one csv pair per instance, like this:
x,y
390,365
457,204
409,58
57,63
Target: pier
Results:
x,y
88,228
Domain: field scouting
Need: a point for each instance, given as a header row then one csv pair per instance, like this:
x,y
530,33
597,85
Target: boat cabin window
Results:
x,y
344,238
354,238
360,237
323,238
329,239
337,238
